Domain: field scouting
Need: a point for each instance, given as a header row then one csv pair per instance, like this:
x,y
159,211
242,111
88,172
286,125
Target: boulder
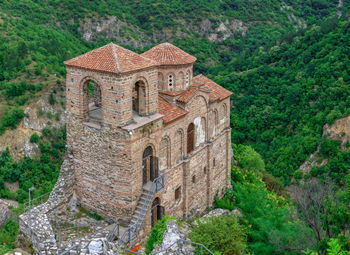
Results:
x,y
17,251
5,211
174,242
96,246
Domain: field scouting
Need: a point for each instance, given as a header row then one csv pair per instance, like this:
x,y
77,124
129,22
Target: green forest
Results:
x,y
288,81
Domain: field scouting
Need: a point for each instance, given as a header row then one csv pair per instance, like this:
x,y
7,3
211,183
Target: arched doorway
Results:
x,y
93,100
157,211
149,166
139,98
190,138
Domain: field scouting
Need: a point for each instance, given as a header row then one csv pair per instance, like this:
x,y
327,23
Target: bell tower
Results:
x,y
107,89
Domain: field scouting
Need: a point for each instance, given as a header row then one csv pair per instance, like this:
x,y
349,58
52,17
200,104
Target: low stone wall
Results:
x,y
35,224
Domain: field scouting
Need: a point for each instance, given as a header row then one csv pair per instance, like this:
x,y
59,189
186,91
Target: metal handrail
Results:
x,y
28,205
69,249
131,233
183,241
113,233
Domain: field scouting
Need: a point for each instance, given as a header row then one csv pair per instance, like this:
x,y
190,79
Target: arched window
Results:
x,y
190,138
187,79
224,110
139,98
178,145
170,81
164,153
180,81
93,100
216,119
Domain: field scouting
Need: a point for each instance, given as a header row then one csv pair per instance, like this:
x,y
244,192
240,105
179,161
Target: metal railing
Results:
x,y
159,183
132,231
183,242
113,233
36,201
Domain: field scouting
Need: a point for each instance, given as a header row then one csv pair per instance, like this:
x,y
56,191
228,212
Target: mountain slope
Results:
x,y
282,105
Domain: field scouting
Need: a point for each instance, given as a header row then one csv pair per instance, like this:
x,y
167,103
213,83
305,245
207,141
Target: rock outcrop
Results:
x,y
174,243
5,209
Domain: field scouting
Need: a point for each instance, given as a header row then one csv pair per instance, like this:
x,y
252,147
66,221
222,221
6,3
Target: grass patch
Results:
x,y
156,235
91,214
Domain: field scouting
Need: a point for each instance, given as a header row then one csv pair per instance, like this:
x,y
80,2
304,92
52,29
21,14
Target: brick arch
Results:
x,y
140,95
152,146
83,81
203,99
95,110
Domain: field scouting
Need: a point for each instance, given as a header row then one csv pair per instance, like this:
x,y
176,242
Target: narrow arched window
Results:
x,y
224,110
190,138
164,153
187,79
178,145
170,81
139,98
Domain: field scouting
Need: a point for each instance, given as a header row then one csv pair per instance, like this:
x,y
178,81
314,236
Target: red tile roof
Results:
x,y
216,91
169,111
168,54
111,58
187,95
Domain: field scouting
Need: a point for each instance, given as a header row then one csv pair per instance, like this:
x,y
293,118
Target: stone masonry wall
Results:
x,y
103,168
35,224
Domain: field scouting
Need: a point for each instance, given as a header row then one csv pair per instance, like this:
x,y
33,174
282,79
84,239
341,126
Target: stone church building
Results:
x,y
148,138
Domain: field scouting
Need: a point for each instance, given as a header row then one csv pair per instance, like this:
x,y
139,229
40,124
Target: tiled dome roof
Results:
x,y
168,54
111,58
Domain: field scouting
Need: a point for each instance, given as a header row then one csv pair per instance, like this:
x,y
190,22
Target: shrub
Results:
x,y
298,174
226,202
248,158
329,148
220,234
34,138
52,99
11,119
8,234
156,235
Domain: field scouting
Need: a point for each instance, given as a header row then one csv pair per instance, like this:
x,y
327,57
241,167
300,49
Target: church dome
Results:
x,y
168,54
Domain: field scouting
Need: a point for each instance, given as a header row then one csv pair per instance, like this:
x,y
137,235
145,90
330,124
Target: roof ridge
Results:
x,y
86,53
115,58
